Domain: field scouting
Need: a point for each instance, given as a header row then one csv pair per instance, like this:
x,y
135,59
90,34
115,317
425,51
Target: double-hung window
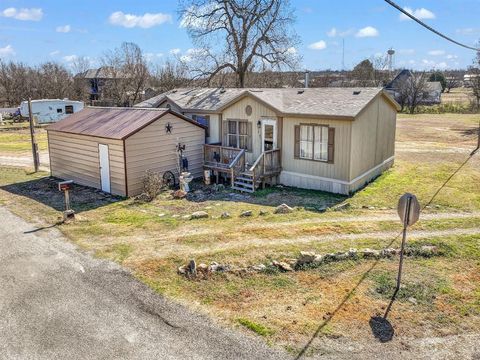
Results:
x,y
237,134
313,142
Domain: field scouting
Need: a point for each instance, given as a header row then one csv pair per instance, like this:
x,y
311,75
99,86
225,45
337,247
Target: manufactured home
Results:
x,y
112,148
330,139
50,110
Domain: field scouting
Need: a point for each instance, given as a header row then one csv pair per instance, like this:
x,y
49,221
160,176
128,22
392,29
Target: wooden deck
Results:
x,y
231,161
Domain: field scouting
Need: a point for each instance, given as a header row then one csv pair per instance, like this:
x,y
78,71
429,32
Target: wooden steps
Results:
x,y
244,182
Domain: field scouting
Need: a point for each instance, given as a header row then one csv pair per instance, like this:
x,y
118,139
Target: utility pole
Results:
x,y
36,160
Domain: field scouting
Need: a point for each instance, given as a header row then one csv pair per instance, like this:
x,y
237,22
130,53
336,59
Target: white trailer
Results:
x,y
50,110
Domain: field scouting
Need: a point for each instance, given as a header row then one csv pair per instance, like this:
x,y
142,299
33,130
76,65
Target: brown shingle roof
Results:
x,y
111,123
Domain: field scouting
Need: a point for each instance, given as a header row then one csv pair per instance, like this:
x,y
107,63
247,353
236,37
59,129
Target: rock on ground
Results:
x,y
199,215
283,209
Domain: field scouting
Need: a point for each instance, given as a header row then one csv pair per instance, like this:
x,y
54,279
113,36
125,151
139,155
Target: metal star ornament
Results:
x,y
168,128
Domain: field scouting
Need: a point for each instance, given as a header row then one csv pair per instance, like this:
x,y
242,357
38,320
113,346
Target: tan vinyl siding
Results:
x,y
373,137
338,170
215,126
259,111
153,149
75,157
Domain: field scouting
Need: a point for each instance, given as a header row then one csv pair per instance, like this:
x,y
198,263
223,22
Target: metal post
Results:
x,y
404,237
36,160
67,200
478,138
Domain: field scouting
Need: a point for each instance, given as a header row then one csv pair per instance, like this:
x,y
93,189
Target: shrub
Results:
x,y
152,184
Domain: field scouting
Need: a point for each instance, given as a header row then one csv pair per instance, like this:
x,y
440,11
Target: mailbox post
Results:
x,y
66,186
409,212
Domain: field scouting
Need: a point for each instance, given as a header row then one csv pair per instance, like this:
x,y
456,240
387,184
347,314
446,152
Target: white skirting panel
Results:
x,y
335,186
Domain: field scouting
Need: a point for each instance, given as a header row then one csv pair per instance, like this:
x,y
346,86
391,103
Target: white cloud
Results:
x,y
7,51
175,51
468,31
421,14
319,45
54,53
406,51
32,14
368,31
291,51
332,32
193,16
436,52
191,53
70,58
63,29
451,57
144,21
152,56
430,64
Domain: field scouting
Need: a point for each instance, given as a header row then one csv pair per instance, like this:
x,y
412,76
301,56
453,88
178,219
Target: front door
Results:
x,y
269,134
104,167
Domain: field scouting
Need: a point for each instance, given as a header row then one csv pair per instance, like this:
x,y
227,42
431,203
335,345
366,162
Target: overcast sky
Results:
x,y
37,31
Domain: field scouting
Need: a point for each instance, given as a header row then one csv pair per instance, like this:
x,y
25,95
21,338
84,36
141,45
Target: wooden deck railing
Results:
x,y
237,166
268,163
217,156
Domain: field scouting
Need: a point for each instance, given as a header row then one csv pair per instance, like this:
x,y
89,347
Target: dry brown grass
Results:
x,y
153,239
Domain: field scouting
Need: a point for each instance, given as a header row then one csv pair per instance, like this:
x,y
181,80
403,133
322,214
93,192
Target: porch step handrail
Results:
x,y
268,162
237,159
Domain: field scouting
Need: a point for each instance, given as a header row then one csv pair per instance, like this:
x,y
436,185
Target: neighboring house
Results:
x,y
50,110
97,79
469,79
331,139
432,93
112,148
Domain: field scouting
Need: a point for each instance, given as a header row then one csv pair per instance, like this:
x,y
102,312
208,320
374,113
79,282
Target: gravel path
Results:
x,y
58,303
25,161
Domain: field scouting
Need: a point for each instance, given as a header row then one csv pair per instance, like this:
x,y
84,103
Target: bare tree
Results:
x,y
380,75
52,81
451,81
127,73
402,93
475,80
362,73
370,72
416,90
80,86
169,75
17,82
239,36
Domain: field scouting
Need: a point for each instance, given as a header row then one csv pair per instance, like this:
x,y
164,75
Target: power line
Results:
x,y
429,27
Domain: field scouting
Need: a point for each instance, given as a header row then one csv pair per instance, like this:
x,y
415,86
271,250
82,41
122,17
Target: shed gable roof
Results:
x,y
112,123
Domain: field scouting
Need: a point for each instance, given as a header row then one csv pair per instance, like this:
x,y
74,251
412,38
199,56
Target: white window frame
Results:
x,y
318,143
273,123
237,134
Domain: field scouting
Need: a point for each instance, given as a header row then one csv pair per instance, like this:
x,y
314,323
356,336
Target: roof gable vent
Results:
x,y
300,91
357,92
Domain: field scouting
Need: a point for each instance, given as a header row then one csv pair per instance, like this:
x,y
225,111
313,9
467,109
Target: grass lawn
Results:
x,y
441,294
18,141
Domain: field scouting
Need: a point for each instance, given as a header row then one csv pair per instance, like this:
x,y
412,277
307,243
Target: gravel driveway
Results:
x,y
59,303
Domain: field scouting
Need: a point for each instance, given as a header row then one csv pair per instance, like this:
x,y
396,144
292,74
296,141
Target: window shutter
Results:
x,y
331,144
296,147
249,136
225,132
